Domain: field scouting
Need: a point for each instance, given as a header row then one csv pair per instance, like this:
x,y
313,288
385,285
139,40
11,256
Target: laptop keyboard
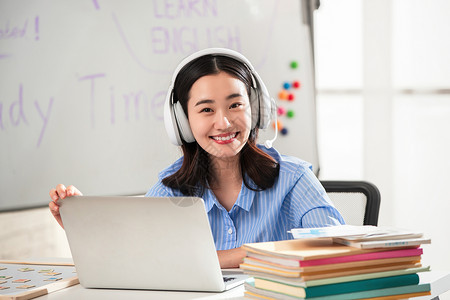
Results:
x,y
226,279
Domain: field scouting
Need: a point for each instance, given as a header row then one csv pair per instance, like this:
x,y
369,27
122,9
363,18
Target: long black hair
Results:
x,y
192,178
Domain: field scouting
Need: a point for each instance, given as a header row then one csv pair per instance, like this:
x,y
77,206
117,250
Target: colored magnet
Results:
x,y
294,64
284,131
296,84
281,111
290,114
286,85
283,95
291,97
278,124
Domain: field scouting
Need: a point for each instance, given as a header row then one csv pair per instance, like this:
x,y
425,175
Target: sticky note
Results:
x,y
26,269
25,286
46,270
52,274
21,280
53,279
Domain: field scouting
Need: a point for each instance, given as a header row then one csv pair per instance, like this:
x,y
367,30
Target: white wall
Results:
x,y
31,234
383,79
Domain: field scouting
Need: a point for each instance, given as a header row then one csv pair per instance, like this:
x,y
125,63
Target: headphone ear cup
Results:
x,y
254,106
170,122
183,123
267,108
262,106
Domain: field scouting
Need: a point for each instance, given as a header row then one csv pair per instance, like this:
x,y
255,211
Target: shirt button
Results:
x,y
230,231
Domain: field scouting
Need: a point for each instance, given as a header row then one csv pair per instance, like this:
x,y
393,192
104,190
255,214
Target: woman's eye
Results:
x,y
206,110
234,105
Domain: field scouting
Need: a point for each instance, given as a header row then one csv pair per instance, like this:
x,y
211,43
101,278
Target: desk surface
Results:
x,y
440,283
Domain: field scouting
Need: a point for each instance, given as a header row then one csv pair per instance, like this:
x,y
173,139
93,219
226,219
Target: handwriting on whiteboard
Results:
x,y
38,88
27,28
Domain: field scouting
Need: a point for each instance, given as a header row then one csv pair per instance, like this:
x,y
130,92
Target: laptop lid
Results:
x,y
142,243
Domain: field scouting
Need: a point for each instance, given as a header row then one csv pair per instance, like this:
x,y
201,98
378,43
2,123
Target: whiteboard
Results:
x,y
83,85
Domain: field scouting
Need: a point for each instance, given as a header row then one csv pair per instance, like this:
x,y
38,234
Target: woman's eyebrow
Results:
x,y
206,101
209,101
234,95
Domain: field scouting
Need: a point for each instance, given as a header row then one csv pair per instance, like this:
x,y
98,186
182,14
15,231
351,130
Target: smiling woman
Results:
x,y
214,108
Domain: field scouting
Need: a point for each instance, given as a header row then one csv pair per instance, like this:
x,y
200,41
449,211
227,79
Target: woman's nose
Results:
x,y
222,122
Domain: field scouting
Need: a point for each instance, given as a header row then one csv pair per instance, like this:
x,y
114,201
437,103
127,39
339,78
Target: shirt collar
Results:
x,y
244,200
246,196
209,199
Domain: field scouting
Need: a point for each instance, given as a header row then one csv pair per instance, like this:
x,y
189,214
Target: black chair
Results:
x,y
357,201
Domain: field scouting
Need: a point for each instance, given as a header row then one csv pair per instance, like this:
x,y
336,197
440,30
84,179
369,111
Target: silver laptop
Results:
x,y
144,243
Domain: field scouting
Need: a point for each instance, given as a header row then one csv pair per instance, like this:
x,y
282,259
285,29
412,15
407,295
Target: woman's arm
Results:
x,y
231,258
310,205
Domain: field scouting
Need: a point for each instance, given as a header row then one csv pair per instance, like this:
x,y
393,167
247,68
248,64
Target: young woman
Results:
x,y
252,193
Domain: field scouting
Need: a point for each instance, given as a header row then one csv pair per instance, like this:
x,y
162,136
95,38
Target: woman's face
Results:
x,y
219,114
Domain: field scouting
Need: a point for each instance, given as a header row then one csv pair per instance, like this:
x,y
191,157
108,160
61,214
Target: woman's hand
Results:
x,y
61,192
231,258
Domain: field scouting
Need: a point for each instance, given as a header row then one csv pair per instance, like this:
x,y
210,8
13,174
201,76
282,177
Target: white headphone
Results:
x,y
261,105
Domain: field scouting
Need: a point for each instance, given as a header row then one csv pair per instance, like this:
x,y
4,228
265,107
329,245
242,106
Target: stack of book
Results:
x,y
320,268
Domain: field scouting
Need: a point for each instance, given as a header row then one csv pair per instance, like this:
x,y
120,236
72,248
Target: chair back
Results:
x,y
357,201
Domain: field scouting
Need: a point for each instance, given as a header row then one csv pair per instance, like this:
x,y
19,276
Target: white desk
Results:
x,y
440,283
78,292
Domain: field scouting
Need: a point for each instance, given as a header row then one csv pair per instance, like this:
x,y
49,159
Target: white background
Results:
x,y
383,79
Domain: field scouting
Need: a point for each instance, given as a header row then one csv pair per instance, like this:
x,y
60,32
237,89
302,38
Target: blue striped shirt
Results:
x,y
297,199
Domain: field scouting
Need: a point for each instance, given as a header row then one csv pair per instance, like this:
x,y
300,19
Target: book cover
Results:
x,y
337,288
310,283
401,296
331,267
332,260
259,295
303,250
253,292
399,290
384,293
383,243
327,274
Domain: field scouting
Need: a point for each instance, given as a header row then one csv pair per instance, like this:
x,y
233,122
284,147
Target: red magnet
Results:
x,y
291,97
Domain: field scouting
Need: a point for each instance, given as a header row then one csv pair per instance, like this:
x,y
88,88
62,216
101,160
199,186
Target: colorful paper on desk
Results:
x,y
332,231
14,274
356,233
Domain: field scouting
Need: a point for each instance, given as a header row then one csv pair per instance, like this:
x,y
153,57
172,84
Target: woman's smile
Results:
x,y
225,138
